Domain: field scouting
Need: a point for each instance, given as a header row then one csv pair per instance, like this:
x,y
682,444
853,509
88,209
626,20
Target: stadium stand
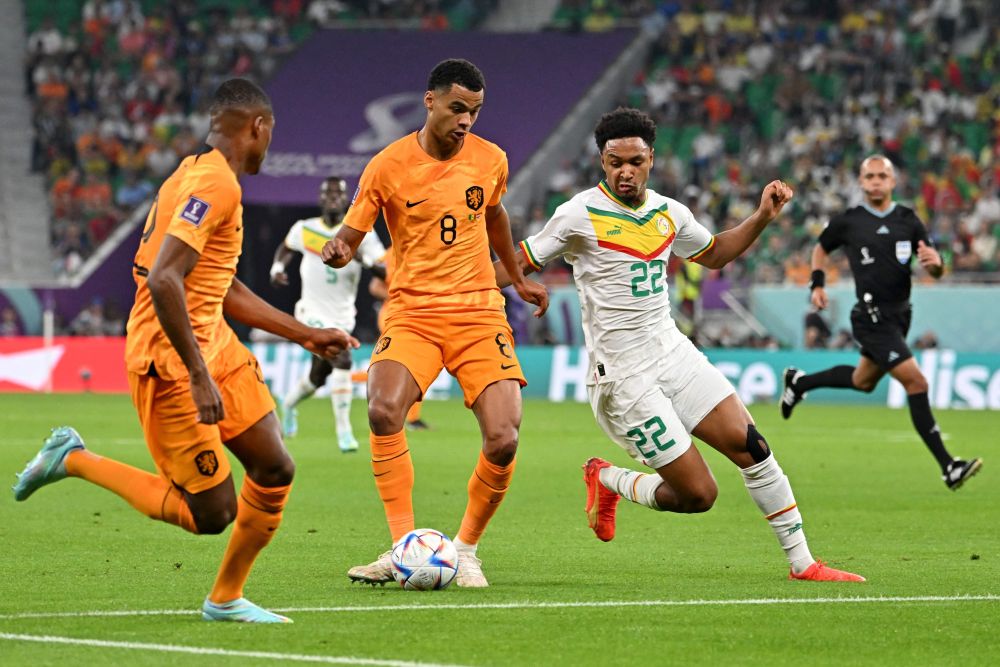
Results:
x,y
743,91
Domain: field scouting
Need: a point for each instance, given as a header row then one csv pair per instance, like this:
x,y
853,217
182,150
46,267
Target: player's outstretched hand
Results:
x,y
535,293
929,257
328,343
207,399
336,253
776,194
819,298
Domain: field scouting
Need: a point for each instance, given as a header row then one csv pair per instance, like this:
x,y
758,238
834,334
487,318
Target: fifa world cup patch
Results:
x,y
195,210
207,463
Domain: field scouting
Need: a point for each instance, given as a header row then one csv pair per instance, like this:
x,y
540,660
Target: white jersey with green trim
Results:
x,y
328,294
619,256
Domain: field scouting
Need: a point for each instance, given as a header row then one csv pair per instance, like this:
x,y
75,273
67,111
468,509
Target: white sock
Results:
x,y
340,397
769,488
467,548
304,389
639,487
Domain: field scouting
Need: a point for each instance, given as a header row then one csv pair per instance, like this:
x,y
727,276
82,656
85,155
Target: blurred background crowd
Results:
x,y
741,91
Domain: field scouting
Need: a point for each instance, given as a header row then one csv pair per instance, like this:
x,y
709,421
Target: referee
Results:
x,y
880,238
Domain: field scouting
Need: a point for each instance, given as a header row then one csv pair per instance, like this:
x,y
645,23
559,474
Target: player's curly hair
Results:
x,y
456,71
239,94
624,122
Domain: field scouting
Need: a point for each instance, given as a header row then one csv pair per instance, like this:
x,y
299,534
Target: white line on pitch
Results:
x,y
204,650
989,597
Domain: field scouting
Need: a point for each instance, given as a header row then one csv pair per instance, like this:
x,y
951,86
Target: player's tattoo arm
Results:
x,y
174,262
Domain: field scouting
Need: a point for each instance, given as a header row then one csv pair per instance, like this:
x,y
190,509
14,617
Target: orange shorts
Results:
x,y
476,347
189,454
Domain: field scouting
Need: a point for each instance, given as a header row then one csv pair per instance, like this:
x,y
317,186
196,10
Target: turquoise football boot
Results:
x,y
49,463
240,610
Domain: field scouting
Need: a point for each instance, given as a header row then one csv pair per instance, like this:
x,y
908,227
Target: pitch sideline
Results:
x,y
988,597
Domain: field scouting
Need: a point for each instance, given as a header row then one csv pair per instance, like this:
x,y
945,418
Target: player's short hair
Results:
x,y
624,122
456,71
239,94
877,156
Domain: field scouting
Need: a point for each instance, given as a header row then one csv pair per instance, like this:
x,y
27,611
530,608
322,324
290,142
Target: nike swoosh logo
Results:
x,y
409,205
504,367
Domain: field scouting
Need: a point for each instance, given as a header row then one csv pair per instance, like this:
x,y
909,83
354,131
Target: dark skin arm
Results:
x,y
732,243
339,250
282,254
174,262
243,305
498,232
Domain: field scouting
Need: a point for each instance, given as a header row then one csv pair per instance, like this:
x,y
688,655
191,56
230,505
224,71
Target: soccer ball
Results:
x,y
424,560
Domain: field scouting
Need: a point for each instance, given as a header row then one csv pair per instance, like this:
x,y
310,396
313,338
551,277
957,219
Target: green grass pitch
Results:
x,y
707,589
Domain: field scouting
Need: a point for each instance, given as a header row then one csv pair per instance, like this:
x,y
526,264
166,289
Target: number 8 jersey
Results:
x,y
436,214
619,255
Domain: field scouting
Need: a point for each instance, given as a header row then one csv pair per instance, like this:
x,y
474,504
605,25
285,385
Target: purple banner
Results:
x,y
343,96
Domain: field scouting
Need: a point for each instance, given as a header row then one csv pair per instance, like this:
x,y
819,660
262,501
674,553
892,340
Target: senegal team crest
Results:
x,y
474,197
662,224
207,463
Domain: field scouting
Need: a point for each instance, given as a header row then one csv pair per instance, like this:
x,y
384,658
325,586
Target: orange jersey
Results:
x,y
200,205
436,214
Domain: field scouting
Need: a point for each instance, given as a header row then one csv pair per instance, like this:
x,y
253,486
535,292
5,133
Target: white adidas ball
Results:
x,y
424,560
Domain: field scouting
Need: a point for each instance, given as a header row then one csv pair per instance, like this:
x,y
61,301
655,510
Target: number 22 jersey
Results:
x,y
619,255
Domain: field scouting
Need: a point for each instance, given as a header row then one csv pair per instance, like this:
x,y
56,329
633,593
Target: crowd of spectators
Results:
x,y
747,91
119,94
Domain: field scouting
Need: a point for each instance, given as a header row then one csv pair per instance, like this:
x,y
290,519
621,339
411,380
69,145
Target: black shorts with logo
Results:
x,y
881,332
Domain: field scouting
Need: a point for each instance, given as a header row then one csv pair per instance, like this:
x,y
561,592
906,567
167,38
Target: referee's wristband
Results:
x,y
818,279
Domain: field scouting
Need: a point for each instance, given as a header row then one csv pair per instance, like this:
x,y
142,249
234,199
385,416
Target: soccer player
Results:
x,y
650,388
439,189
328,297
195,387
880,238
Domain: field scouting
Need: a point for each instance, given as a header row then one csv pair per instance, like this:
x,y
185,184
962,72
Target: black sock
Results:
x,y
838,377
923,421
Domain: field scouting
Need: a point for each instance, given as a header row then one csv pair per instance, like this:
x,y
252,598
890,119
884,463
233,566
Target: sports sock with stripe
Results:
x,y
258,515
770,489
150,494
487,488
393,470
639,487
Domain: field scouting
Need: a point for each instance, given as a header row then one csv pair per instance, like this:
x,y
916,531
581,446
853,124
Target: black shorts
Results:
x,y
884,341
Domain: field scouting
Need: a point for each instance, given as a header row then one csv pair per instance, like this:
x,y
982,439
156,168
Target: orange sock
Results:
x,y
487,487
414,413
393,470
150,494
258,514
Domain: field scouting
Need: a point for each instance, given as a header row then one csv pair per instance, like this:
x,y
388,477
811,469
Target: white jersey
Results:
x,y
619,256
328,294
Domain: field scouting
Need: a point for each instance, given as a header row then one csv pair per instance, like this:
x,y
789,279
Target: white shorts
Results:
x,y
651,414
310,316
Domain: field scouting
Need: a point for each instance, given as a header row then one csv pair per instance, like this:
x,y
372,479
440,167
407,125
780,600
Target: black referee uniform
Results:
x,y
880,249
